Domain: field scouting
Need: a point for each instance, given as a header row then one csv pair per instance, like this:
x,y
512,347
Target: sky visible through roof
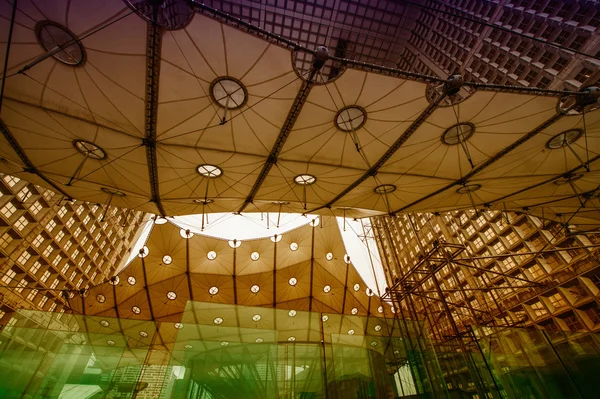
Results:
x,y
228,226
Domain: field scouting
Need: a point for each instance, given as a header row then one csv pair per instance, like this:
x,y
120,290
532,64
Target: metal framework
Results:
x,y
418,285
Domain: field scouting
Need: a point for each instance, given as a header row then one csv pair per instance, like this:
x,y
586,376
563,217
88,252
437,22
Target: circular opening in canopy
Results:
x,y
378,328
171,295
258,340
143,334
291,339
329,256
254,289
564,138
354,311
356,287
211,255
276,237
385,189
350,332
144,251
213,290
51,35
104,323
292,313
111,342
178,326
327,288
203,201
100,298
324,318
186,233
458,133
256,317
131,280
136,310
224,343
350,118
89,150
468,188
305,180
167,260
210,171
254,256
292,281
294,246
218,321
228,92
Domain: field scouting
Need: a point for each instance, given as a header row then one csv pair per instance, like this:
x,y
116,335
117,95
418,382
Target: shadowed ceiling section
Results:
x,y
179,110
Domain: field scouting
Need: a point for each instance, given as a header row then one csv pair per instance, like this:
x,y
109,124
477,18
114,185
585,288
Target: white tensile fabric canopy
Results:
x,y
202,113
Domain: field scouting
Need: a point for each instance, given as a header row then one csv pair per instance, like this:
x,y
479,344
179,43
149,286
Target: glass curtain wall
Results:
x,y
226,351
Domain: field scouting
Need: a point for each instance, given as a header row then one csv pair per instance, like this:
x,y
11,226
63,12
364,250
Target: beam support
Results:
x,y
153,46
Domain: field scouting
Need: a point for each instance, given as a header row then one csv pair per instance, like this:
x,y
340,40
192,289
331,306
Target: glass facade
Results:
x,y
221,351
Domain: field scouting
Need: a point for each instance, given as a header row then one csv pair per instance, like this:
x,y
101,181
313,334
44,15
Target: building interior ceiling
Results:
x,y
202,113
303,270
